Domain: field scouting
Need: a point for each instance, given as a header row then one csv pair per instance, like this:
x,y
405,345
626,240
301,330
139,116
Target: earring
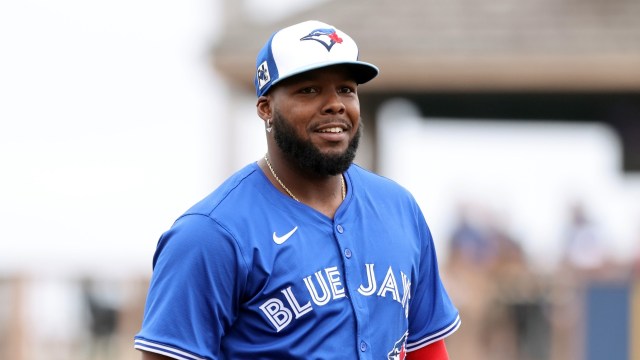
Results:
x,y
269,124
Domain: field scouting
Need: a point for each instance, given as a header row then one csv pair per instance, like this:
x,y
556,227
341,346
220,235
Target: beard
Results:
x,y
307,156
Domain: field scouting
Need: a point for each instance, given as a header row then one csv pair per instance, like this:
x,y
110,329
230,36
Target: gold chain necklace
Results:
x,y
342,187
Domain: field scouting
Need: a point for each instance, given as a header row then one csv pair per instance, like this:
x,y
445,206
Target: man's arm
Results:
x,y
153,356
434,351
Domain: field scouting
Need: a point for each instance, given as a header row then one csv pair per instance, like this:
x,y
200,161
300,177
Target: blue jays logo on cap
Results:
x,y
326,37
399,351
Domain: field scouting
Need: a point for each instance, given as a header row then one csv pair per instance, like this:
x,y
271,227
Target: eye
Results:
x,y
308,90
348,89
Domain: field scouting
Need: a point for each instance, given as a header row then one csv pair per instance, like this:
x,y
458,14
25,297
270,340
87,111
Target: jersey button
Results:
x,y
363,346
340,229
347,253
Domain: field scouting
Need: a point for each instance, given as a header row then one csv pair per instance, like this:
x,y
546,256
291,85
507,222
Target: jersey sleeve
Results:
x,y
194,291
432,315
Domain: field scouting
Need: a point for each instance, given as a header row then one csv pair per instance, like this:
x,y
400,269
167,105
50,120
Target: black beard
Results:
x,y
306,156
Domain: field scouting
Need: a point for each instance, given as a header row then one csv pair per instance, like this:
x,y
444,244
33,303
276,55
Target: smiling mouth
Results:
x,y
333,130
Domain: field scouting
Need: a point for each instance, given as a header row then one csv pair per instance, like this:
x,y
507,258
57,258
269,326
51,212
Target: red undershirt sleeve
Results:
x,y
434,351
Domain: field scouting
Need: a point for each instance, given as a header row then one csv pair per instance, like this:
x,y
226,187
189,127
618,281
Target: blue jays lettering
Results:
x,y
332,288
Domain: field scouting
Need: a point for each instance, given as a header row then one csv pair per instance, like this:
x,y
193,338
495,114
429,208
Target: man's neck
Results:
x,y
323,193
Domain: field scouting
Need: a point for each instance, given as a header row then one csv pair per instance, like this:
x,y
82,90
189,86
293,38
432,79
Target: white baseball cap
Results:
x,y
307,46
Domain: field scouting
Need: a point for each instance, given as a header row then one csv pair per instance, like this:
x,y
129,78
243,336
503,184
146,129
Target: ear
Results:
x,y
263,108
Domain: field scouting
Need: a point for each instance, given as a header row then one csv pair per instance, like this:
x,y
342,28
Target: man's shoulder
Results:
x,y
236,189
371,181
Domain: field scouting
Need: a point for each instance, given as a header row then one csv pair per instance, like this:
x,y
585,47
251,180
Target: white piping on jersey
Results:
x,y
164,350
435,337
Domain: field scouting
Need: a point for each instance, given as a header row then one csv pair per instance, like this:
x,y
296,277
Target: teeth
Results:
x,y
332,130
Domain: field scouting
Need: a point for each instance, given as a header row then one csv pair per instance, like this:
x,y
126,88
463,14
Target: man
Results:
x,y
301,255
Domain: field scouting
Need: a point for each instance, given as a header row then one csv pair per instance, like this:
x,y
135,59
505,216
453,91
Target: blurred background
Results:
x,y
515,125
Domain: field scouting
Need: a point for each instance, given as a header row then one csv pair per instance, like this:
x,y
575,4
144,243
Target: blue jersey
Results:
x,y
249,273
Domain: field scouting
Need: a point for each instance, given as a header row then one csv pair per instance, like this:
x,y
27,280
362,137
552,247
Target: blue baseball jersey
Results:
x,y
249,273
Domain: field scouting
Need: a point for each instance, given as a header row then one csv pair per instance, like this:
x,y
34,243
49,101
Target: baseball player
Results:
x,y
302,254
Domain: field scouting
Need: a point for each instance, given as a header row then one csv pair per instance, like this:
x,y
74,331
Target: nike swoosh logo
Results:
x,y
281,239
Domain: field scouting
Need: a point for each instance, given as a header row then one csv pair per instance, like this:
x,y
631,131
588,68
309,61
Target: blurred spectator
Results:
x,y
503,303
102,321
585,250
470,244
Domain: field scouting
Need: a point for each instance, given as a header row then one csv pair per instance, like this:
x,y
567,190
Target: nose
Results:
x,y
333,104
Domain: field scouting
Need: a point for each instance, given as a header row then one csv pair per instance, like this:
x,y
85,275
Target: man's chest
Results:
x,y
305,270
